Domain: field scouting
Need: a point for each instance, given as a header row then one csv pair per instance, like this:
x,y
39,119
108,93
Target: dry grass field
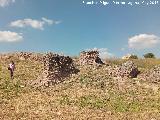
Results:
x,y
89,95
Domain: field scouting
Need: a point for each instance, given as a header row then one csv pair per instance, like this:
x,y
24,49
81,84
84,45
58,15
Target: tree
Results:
x,y
149,55
133,57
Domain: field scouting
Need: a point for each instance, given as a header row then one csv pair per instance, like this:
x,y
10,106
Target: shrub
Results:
x,y
149,55
133,57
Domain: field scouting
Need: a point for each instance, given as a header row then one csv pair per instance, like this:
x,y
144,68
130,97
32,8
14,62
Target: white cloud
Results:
x,y
28,22
143,41
50,22
36,24
103,53
4,3
123,49
8,36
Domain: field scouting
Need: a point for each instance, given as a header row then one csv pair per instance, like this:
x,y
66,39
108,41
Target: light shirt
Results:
x,y
11,66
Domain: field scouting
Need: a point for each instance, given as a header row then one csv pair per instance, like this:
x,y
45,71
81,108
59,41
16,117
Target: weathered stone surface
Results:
x,y
90,58
126,57
22,56
30,56
127,69
56,69
152,75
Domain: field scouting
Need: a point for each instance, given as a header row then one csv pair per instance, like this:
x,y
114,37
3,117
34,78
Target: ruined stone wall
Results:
x,y
30,56
152,75
6,56
89,58
127,69
22,56
127,57
56,69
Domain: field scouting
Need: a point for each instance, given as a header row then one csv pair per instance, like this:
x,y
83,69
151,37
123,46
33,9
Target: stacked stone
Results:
x,y
90,58
56,69
127,69
7,56
24,55
152,75
1,56
36,57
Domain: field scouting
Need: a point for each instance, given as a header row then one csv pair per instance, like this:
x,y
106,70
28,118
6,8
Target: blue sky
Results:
x,y
72,26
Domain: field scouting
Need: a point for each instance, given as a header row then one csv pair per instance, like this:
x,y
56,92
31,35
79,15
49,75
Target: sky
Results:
x,y
71,26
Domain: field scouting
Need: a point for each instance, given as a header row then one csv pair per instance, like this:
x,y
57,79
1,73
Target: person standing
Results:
x,y
11,68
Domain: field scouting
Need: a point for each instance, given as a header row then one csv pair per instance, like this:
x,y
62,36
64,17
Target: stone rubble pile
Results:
x,y
6,56
126,57
22,56
127,69
90,58
30,56
56,69
152,75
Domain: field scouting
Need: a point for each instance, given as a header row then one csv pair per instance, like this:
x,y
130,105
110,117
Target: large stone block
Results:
x,y
90,58
127,69
56,69
152,75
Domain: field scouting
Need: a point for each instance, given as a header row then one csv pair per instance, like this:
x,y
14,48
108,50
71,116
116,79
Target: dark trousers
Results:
x,y
11,73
